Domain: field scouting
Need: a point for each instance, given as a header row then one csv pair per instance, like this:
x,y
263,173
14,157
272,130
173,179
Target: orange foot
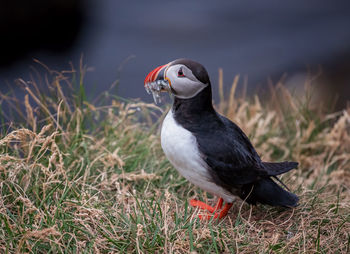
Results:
x,y
212,210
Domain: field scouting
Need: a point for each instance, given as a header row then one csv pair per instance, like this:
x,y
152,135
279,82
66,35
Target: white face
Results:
x,y
183,82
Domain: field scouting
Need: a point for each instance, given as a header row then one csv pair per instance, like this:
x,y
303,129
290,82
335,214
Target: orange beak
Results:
x,y
157,74
157,82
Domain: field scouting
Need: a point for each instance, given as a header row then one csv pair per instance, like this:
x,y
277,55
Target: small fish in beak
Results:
x,y
156,83
156,87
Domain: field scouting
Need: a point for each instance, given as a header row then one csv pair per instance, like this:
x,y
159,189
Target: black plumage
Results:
x,y
232,161
208,149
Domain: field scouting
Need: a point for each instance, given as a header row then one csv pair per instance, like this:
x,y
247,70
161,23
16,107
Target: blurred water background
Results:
x,y
124,40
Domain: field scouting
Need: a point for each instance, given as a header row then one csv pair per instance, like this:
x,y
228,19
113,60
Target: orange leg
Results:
x,y
204,206
219,215
212,210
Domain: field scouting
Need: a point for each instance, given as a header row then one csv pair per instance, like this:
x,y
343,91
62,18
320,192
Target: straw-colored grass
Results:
x,y
84,177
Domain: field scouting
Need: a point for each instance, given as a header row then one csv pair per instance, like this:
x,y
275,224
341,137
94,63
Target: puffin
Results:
x,y
208,149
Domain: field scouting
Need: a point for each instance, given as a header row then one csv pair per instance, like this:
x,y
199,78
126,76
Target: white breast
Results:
x,y
181,149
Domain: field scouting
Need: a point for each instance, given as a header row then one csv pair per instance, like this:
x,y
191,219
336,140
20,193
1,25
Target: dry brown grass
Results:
x,y
82,177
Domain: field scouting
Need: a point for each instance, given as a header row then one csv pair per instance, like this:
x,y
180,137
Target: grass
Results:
x,y
83,176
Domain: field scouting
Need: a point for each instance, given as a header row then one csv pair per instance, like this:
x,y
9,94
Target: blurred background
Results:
x,y
262,41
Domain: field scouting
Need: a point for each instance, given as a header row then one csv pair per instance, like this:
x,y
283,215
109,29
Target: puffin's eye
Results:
x,y
180,73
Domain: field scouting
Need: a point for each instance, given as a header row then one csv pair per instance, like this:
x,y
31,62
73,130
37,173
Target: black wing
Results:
x,y
229,154
232,158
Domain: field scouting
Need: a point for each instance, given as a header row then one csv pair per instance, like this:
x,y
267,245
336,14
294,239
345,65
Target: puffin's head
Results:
x,y
185,77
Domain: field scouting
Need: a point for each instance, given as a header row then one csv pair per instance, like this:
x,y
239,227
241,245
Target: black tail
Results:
x,y
277,168
266,191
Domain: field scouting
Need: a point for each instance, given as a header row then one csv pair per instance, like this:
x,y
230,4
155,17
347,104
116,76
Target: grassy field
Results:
x,y
83,176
